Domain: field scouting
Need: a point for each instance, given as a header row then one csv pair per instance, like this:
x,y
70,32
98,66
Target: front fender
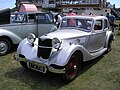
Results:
x,y
64,55
15,39
24,48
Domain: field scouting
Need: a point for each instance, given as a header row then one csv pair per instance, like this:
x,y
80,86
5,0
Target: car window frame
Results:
x,y
77,19
107,25
98,26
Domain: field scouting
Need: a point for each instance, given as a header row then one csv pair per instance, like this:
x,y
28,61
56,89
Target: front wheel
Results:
x,y
72,68
4,46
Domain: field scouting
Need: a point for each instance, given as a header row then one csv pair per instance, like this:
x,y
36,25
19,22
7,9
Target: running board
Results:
x,y
96,54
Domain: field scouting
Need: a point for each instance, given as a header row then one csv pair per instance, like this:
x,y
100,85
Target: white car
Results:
x,y
78,39
17,27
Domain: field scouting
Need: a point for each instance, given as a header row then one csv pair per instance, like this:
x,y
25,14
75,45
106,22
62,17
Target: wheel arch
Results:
x,y
79,54
15,39
64,56
8,38
109,37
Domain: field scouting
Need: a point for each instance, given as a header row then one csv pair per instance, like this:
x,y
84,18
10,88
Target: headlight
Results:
x,y
31,38
56,43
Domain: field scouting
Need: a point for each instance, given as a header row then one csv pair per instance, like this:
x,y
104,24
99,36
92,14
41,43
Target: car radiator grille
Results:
x,y
44,48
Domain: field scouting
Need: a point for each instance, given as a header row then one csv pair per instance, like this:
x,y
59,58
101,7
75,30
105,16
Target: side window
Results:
x,y
51,16
31,18
41,18
44,18
48,19
18,18
105,24
98,25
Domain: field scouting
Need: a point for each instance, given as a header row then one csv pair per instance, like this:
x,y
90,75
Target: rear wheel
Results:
x,y
109,46
72,68
4,46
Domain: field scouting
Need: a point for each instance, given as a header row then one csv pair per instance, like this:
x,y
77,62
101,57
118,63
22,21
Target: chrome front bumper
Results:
x,y
49,68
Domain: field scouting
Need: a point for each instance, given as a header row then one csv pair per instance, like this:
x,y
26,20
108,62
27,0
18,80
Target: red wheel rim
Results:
x,y
72,67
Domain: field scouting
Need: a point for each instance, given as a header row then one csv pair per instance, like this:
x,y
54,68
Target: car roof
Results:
x,y
27,12
87,17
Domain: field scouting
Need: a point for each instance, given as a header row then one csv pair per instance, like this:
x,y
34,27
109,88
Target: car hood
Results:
x,y
66,34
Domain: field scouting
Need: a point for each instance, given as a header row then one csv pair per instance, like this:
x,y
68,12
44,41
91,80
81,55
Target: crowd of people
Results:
x,y
58,17
111,18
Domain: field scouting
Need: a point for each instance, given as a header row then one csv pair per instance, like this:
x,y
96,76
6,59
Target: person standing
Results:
x,y
71,22
58,19
107,15
71,13
111,20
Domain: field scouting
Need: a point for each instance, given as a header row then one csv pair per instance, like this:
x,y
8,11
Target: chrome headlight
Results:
x,y
56,43
31,38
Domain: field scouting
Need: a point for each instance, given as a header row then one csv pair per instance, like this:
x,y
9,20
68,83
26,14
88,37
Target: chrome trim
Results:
x,y
51,69
44,47
37,64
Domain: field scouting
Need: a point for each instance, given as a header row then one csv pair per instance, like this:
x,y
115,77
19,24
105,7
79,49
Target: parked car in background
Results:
x,y
19,25
64,50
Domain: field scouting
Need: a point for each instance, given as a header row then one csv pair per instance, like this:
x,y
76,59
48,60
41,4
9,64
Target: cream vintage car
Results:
x,y
78,39
17,27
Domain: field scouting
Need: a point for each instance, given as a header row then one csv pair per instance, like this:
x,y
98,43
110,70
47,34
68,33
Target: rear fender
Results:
x,y
109,35
15,39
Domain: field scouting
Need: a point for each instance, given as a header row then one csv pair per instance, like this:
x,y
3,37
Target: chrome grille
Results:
x,y
43,49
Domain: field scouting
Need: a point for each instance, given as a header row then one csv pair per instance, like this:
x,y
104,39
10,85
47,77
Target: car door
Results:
x,y
15,25
45,24
29,25
97,37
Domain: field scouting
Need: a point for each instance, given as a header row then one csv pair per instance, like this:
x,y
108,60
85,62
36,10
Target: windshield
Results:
x,y
82,24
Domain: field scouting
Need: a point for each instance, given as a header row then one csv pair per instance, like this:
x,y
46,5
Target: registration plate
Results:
x,y
37,67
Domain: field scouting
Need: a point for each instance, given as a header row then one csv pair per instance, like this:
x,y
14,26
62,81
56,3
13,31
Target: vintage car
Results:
x,y
15,29
78,39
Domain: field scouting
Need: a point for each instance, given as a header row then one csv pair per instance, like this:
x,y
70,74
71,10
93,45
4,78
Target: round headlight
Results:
x,y
56,43
31,38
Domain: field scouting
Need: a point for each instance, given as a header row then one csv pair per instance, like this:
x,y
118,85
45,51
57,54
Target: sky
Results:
x,y
116,2
7,4
11,3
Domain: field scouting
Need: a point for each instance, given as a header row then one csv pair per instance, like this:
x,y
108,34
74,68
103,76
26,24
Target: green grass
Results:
x,y
102,73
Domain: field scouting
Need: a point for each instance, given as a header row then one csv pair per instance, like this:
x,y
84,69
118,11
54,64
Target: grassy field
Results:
x,y
102,73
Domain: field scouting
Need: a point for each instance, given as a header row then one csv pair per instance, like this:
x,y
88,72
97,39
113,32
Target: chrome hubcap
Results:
x,y
3,47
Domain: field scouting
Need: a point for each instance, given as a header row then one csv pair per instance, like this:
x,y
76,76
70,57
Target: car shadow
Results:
x,y
48,81
88,64
13,48
36,80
